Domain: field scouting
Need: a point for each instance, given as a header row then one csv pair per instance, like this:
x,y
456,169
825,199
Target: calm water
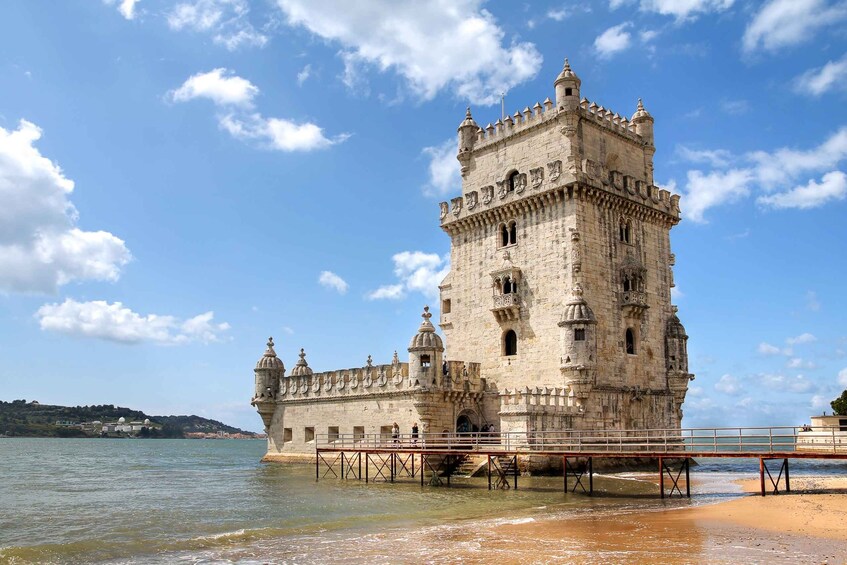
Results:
x,y
164,501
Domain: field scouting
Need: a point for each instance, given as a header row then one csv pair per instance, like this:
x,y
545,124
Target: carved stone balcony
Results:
x,y
506,307
634,303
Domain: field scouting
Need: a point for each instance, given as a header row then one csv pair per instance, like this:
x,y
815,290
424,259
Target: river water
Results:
x,y
166,501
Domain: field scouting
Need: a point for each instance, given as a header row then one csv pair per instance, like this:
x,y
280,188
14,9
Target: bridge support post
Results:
x,y
367,465
662,477
590,476
423,468
515,463
762,475
488,458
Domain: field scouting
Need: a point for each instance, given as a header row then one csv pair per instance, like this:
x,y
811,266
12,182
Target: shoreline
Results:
x,y
808,525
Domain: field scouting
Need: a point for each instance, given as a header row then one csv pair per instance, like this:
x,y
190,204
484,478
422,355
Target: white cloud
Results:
x,y
770,171
418,272
304,75
125,7
221,86
278,133
735,107
842,377
800,363
438,45
704,191
728,384
41,248
613,40
227,19
796,384
557,15
801,339
782,23
819,401
114,322
388,292
444,171
717,158
831,76
330,280
768,349
685,9
833,186
615,4
648,35
228,90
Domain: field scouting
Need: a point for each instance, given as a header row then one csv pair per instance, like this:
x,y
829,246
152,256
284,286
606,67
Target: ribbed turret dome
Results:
x,y
468,121
577,310
674,328
426,338
640,113
568,74
269,360
301,369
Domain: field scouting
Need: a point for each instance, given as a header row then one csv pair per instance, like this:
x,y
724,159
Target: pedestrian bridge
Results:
x,y
435,458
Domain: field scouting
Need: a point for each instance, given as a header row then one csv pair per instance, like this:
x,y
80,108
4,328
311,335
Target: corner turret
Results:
x,y
579,346
468,132
676,359
643,123
268,372
567,89
425,353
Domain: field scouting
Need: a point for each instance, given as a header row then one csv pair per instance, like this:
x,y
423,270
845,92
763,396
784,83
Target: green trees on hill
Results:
x,y
839,405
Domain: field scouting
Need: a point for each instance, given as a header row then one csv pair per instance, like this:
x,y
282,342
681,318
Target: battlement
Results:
x,y
528,118
537,399
379,379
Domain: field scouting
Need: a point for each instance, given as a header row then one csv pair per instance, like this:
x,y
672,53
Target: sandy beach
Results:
x,y
809,525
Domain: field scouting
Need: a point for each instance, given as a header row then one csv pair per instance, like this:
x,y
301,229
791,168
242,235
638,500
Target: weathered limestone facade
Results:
x,y
557,311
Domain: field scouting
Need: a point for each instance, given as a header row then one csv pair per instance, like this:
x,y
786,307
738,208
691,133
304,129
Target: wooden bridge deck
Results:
x,y
393,457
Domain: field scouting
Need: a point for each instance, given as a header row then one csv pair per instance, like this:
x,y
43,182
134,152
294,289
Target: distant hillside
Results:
x,y
31,419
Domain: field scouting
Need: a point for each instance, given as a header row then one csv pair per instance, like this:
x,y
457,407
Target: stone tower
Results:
x,y
561,268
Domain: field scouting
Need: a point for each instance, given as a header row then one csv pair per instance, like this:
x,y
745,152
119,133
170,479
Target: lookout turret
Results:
x,y
567,89
579,346
468,131
269,370
425,353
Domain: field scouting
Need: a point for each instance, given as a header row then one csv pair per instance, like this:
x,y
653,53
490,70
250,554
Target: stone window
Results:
x,y
426,362
579,334
286,435
309,433
445,306
332,434
508,233
509,285
630,342
358,433
510,343
626,230
569,92
514,178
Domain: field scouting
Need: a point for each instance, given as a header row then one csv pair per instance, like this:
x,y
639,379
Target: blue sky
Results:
x,y
180,179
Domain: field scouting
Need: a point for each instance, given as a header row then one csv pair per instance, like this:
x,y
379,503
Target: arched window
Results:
x,y
630,342
627,284
508,233
626,231
504,235
510,343
509,286
513,181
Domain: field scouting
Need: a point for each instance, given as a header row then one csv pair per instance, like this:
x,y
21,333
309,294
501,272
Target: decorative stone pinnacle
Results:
x,y
395,360
640,105
270,342
468,113
370,361
426,315
577,290
567,64
269,352
302,354
675,309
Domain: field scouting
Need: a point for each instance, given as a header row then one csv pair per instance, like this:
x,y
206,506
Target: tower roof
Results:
x,y
301,368
641,113
674,327
269,360
567,74
468,121
426,338
577,310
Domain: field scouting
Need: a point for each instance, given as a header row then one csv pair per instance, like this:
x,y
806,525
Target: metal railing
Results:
x,y
777,439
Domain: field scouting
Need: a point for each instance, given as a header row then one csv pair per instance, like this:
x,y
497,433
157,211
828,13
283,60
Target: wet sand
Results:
x,y
809,525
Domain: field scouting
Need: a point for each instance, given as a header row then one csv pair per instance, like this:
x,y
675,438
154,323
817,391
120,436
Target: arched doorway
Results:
x,y
467,422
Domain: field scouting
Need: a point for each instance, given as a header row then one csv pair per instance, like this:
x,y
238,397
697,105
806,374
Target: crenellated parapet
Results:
x,y
537,400
368,380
